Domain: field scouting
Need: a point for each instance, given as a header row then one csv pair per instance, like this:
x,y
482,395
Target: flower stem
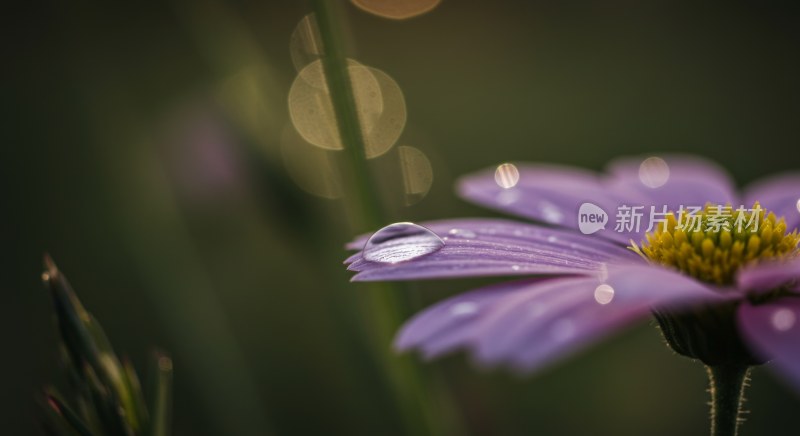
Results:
x,y
337,75
387,303
727,384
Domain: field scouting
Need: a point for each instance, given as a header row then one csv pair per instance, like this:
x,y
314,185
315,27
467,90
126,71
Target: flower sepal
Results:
x,y
708,334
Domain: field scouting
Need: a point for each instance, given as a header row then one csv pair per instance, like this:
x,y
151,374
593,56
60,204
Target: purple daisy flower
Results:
x,y
725,292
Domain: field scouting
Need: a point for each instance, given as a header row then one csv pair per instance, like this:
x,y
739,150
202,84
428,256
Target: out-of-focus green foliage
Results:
x,y
104,393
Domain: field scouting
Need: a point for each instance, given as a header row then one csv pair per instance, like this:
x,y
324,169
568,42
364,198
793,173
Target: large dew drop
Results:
x,y
400,242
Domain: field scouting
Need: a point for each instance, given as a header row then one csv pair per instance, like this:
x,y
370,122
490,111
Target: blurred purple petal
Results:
x,y
684,180
530,334
527,323
780,194
497,247
767,276
549,194
444,326
773,332
554,194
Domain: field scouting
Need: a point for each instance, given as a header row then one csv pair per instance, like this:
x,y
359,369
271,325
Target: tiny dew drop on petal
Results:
x,y
654,172
603,294
464,308
783,319
400,242
506,175
550,212
462,233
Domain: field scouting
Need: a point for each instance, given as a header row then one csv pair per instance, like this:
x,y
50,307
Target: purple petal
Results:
x,y
530,334
475,247
444,326
550,194
685,180
555,194
773,332
768,276
779,194
527,324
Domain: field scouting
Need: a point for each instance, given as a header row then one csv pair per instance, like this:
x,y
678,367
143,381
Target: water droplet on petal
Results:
x,y
798,205
653,172
506,175
515,267
550,212
603,294
400,242
783,319
552,239
462,233
464,308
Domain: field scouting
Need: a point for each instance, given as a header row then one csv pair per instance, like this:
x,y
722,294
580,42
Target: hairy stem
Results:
x,y
727,384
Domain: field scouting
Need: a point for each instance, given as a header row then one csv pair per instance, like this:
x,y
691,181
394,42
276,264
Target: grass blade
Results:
x,y
161,396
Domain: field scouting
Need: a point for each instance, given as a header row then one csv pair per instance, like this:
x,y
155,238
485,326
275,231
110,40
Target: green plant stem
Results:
x,y
386,306
340,88
726,384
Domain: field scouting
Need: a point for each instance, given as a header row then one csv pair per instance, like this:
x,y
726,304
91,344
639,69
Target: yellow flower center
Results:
x,y
713,242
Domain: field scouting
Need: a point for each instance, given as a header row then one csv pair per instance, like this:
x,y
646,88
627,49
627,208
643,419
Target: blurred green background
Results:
x,y
141,150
